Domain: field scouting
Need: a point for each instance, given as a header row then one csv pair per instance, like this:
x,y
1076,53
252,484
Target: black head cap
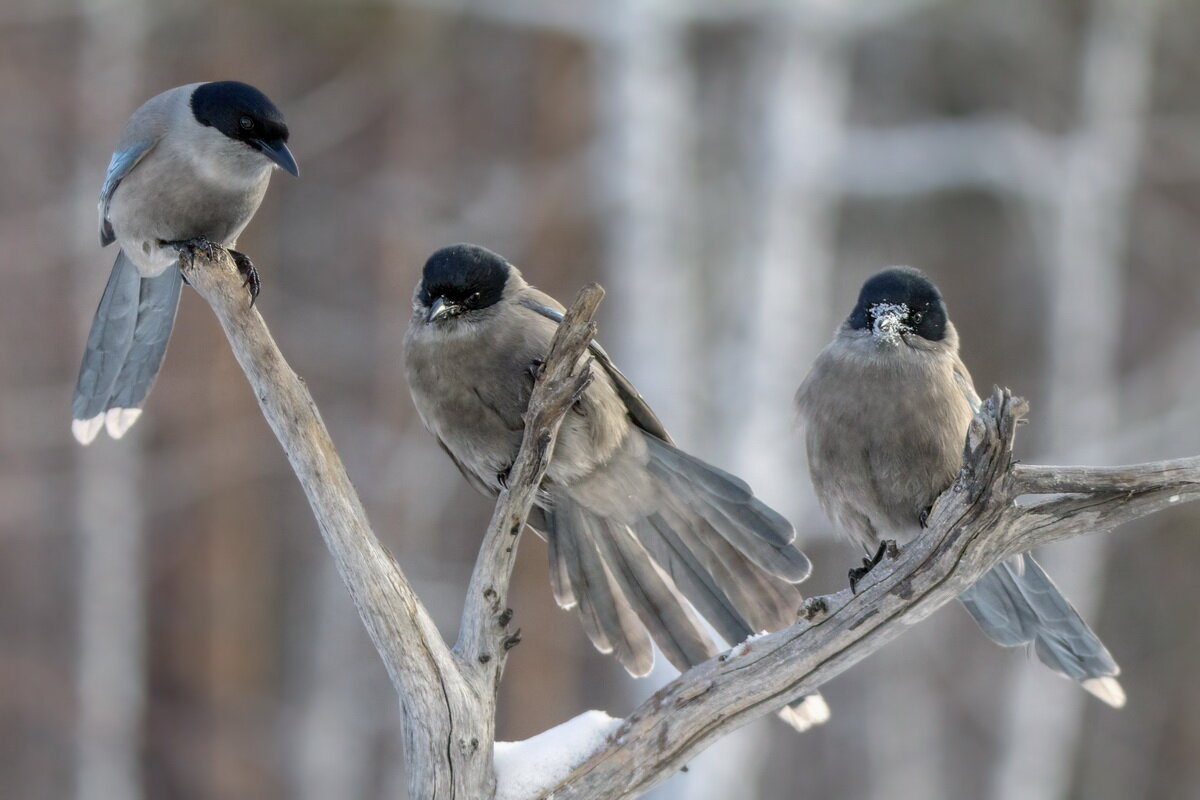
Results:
x,y
239,111
903,286
465,275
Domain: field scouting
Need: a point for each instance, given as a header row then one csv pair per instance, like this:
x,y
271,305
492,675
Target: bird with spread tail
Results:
x,y
646,542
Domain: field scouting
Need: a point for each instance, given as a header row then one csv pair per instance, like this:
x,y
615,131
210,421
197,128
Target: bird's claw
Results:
x,y
188,248
886,547
535,368
246,269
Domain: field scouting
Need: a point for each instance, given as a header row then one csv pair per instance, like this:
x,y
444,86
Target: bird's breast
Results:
x,y
165,200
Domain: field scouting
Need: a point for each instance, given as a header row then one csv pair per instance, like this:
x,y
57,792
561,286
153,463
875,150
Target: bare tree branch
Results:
x,y
974,524
448,698
448,703
482,640
1178,472
421,666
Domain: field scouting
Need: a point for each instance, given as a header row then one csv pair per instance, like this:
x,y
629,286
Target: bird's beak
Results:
x,y
439,309
889,324
277,151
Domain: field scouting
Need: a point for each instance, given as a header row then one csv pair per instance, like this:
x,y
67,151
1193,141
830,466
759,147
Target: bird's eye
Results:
x,y
916,317
247,123
473,299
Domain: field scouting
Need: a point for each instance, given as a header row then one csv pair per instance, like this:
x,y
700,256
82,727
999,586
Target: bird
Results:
x,y
643,538
885,408
190,169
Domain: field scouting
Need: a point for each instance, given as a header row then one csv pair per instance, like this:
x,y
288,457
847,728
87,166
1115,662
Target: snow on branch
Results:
x,y
448,703
448,698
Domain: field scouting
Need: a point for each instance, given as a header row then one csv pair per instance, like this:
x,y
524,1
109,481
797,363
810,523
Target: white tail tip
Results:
x,y
120,420
812,710
1107,689
85,430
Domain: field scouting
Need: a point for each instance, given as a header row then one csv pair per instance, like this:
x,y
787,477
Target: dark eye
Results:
x,y
916,317
247,123
473,299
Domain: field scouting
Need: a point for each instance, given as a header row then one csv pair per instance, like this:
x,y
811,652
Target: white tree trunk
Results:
x,y
110,670
643,86
1084,250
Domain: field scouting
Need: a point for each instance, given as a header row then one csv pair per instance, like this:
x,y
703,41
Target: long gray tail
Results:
x,y
124,349
1017,603
699,542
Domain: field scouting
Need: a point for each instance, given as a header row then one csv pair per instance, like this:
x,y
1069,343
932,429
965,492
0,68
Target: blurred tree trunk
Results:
x,y
110,671
1083,247
644,89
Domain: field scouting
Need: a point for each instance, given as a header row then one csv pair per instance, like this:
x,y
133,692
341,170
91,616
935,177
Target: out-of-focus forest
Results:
x,y
170,623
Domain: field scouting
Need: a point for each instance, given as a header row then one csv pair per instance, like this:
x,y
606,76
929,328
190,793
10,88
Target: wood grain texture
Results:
x,y
974,524
448,697
448,702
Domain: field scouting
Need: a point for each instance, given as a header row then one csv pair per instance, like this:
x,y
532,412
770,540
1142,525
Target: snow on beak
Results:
x,y
888,322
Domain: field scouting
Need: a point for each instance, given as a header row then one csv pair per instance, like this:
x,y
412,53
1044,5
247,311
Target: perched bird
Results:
x,y
886,408
189,172
641,535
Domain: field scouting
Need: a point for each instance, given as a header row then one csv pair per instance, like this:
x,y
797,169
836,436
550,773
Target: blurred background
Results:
x,y
170,623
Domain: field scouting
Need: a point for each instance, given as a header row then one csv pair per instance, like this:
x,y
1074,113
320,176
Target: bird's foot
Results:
x,y
923,517
535,368
858,573
246,269
188,248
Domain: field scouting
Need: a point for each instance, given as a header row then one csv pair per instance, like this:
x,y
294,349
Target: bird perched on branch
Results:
x,y
189,172
886,409
641,535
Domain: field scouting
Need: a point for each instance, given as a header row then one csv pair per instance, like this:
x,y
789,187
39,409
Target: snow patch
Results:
x,y
743,647
528,768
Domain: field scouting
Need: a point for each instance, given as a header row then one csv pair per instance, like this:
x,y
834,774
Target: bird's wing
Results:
x,y
123,161
472,478
963,379
639,410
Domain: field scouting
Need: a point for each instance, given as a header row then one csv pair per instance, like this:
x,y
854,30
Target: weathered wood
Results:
x,y
482,640
437,702
448,702
974,524
448,697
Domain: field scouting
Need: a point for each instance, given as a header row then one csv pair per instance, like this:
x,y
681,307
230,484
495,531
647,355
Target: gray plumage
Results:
x,y
192,164
886,407
641,535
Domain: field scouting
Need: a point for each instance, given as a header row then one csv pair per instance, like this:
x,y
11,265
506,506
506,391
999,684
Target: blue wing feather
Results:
x,y
122,162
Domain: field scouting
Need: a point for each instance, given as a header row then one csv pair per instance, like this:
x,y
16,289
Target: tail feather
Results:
x,y
107,346
693,578
750,599
675,628
767,601
1017,603
124,350
726,503
643,566
609,620
560,571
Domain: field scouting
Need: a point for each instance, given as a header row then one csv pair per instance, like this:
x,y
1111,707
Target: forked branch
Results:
x,y
448,697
